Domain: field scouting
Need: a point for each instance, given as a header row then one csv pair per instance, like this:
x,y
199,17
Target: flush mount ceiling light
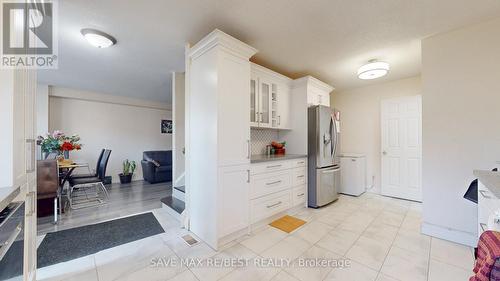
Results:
x,y
98,38
373,69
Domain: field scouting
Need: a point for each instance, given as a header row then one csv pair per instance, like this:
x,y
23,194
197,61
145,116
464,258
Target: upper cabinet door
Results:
x,y
265,88
233,135
283,113
254,102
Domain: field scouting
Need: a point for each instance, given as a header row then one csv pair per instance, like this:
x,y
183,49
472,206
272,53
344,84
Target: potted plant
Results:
x,y
128,171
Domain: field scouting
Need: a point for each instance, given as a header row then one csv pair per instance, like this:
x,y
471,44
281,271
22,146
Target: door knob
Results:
x,y
384,152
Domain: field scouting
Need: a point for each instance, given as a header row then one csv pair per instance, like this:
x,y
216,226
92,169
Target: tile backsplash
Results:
x,y
260,138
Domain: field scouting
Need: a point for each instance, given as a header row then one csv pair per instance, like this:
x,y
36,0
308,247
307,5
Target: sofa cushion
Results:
x,y
163,157
164,169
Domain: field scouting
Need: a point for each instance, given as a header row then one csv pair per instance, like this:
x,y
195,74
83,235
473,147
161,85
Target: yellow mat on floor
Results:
x,y
287,223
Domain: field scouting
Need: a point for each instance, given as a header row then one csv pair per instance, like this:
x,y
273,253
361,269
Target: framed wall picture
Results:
x,y
166,127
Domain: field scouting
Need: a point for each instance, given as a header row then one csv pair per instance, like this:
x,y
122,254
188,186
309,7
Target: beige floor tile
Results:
x,y
211,268
407,265
81,269
289,248
413,241
138,260
397,206
252,273
184,276
333,218
443,250
381,232
284,276
369,252
411,223
312,272
390,218
313,231
383,277
354,272
440,271
355,224
338,241
264,240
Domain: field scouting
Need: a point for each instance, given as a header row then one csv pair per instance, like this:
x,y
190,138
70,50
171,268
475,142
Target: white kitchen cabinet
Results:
x,y
276,186
218,136
17,147
269,99
234,199
317,92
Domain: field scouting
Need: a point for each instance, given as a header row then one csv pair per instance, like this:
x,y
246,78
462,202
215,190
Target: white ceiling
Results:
x,y
328,39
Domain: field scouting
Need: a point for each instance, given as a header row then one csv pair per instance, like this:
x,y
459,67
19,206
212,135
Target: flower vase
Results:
x,y
66,154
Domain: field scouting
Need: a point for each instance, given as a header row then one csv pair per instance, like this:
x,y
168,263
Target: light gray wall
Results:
x,y
126,129
461,124
178,97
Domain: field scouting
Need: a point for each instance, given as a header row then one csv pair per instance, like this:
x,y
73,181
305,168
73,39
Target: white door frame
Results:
x,y
401,147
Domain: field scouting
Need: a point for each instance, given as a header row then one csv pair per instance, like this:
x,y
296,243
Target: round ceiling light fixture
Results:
x,y
373,69
98,38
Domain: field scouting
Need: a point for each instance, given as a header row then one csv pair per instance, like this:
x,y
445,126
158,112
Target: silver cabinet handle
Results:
x,y
279,120
248,149
353,160
32,157
248,176
484,195
301,176
300,195
32,203
274,182
384,152
273,166
483,226
274,205
300,162
261,118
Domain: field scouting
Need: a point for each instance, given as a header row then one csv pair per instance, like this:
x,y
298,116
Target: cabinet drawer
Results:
x,y
268,167
299,195
299,176
301,162
265,184
269,205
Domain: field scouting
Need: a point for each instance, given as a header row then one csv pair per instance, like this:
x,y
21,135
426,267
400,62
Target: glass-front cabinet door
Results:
x,y
265,104
254,103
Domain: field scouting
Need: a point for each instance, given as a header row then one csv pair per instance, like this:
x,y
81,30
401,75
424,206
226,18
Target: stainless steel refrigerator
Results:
x,y
323,155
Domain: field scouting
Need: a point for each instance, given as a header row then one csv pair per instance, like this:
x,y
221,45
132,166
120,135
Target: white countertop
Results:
x,y
275,157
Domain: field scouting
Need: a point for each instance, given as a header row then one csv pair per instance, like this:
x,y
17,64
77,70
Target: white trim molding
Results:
x,y
309,80
219,38
68,93
450,234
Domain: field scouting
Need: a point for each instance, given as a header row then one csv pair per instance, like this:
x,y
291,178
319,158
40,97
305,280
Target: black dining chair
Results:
x,y
90,175
79,186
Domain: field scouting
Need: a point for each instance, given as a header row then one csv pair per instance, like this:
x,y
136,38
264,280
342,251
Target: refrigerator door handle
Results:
x,y
333,134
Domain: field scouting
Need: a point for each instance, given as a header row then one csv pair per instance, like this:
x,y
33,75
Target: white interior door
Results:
x,y
401,120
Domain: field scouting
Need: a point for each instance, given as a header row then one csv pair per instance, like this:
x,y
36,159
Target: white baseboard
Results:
x,y
457,236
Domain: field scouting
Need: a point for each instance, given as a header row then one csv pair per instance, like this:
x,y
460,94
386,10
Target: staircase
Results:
x,y
174,204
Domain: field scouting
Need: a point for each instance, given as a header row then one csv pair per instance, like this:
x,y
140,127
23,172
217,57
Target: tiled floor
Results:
x,y
379,236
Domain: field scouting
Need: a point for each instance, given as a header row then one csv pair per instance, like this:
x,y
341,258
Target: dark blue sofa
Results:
x,y
157,166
